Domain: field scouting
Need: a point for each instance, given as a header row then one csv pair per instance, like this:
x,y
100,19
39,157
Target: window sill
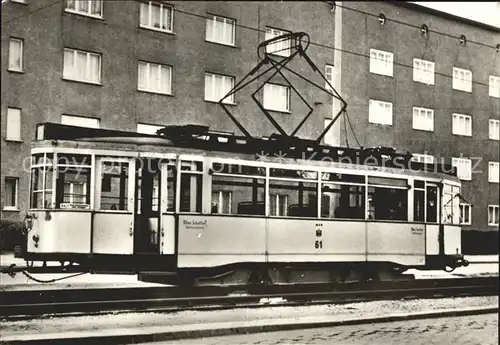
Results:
x,y
383,74
423,82
494,96
288,112
456,89
494,139
462,135
81,81
10,209
19,2
156,92
157,30
18,71
493,182
379,123
423,130
225,103
19,141
223,44
84,14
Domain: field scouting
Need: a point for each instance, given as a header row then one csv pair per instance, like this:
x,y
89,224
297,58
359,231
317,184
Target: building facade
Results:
x,y
421,89
137,65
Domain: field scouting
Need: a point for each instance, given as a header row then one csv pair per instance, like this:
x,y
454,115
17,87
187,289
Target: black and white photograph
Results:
x,y
249,172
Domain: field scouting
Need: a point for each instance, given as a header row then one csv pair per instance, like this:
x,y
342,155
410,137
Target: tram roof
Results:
x,y
200,138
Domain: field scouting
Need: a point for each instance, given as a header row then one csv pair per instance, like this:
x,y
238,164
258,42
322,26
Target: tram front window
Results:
x,y
41,181
73,181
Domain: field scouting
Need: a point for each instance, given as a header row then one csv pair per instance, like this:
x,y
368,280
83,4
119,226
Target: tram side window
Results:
x,y
451,204
114,187
171,171
73,181
342,201
432,200
301,198
419,201
388,198
41,181
238,195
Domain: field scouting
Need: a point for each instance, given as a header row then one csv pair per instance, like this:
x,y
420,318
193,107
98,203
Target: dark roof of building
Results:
x,y
446,15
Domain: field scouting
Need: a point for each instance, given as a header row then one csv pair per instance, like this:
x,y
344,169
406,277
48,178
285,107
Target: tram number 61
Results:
x,y
318,244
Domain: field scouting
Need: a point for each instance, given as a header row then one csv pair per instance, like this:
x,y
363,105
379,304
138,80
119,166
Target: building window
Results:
x,y
82,66
278,205
423,71
494,129
148,129
493,211
277,97
156,16
221,30
462,79
80,121
329,75
13,130
494,86
380,112
155,78
222,201
462,125
91,8
423,119
465,214
381,62
217,86
493,171
422,158
10,196
280,47
464,168
16,54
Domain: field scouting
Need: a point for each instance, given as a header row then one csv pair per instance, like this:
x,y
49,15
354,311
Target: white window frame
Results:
x,y
423,71
491,219
212,22
381,62
12,64
457,129
14,207
13,132
423,158
494,86
462,79
70,73
374,115
270,97
149,82
329,75
280,48
144,128
465,207
87,13
213,92
423,119
163,7
463,166
494,129
80,121
493,172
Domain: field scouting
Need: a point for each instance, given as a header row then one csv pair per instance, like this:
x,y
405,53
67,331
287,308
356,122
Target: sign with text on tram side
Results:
x,y
195,224
416,230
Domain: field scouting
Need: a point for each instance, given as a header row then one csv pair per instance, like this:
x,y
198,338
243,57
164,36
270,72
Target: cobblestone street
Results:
x,y
467,330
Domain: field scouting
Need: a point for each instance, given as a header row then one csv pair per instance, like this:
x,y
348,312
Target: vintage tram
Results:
x,y
188,203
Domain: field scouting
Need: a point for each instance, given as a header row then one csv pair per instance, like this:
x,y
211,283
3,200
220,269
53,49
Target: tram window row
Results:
x,y
236,189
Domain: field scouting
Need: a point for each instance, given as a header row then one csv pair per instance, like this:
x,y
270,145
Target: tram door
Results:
x,y
147,208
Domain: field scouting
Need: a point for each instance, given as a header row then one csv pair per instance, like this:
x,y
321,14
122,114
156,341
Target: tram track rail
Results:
x,y
17,305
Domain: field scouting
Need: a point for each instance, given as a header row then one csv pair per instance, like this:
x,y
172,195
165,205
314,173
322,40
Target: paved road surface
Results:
x,y
467,330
